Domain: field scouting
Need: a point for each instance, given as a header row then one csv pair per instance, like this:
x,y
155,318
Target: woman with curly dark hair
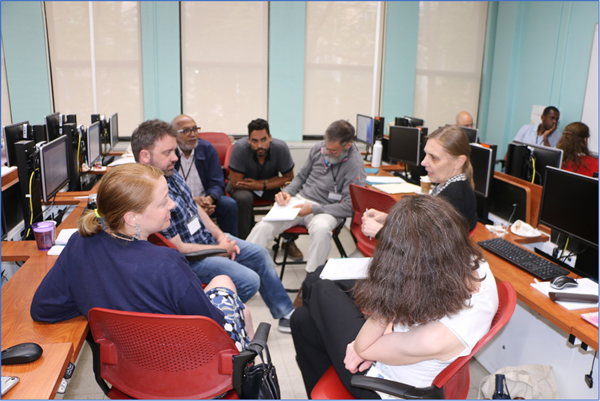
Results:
x,y
428,298
576,156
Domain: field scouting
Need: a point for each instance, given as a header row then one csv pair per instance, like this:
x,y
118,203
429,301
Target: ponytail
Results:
x,y
89,224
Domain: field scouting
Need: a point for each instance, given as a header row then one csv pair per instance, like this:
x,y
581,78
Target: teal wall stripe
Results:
x,y
24,43
287,24
161,60
400,59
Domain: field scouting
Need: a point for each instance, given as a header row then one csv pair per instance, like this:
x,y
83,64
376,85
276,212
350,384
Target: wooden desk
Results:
x,y
10,179
40,379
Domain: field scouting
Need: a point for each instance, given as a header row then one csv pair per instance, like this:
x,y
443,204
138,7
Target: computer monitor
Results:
x,y
53,126
54,168
12,134
471,133
415,122
402,122
364,129
538,159
482,161
93,143
404,145
114,130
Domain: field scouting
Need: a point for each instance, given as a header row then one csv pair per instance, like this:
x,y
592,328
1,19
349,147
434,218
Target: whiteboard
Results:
x,y
589,116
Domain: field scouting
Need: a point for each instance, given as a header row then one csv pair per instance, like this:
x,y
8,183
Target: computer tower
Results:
x,y
39,134
70,130
378,128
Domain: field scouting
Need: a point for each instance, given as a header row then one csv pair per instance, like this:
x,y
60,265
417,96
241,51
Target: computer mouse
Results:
x,y
21,353
562,282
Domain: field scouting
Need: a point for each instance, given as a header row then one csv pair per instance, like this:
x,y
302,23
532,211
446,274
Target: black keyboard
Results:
x,y
523,259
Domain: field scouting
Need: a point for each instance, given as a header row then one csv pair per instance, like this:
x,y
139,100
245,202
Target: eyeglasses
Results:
x,y
189,131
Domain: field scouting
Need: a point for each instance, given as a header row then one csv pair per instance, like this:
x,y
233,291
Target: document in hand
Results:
x,y
284,213
345,269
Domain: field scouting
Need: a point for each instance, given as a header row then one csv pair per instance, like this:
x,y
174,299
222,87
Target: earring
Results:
x,y
137,231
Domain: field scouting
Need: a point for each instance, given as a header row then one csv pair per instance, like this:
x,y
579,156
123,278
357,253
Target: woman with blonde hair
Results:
x,y
109,262
576,155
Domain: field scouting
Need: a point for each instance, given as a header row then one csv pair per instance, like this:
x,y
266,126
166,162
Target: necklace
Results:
x,y
122,236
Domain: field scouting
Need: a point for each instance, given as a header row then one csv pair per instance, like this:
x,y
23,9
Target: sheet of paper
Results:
x,y
586,286
64,235
56,250
6,170
392,189
122,160
375,179
345,269
283,213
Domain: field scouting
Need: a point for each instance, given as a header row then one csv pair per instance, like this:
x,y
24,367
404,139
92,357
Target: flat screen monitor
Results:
x,y
364,129
404,145
415,122
402,122
12,134
482,161
541,157
54,167
53,126
114,130
508,201
570,205
94,143
471,133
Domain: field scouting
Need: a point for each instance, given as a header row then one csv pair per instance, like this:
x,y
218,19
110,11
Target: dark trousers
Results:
x,y
323,327
245,203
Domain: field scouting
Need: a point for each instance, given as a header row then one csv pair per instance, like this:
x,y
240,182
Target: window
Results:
x,y
449,60
96,60
341,74
224,51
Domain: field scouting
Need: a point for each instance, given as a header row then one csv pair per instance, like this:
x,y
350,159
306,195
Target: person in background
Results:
x,y
576,155
414,313
544,133
448,164
322,192
199,165
109,262
464,119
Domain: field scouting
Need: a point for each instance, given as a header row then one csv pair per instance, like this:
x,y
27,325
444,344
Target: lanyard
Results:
x,y
334,175
185,177
178,192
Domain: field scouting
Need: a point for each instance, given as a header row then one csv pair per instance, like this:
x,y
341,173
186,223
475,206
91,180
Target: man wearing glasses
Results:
x,y
322,190
199,165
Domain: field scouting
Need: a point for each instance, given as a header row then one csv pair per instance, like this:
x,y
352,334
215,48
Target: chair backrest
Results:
x,y
219,140
160,240
362,199
455,378
146,355
226,162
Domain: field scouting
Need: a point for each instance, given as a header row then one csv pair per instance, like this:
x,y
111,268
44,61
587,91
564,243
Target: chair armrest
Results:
x,y
397,389
199,255
246,356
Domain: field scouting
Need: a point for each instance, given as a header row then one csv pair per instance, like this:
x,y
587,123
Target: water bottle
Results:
x,y
377,151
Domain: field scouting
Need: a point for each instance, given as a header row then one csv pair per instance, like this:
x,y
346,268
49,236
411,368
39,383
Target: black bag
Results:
x,y
499,392
260,379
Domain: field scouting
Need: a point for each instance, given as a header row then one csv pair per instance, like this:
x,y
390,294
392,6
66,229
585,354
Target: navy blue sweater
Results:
x,y
137,276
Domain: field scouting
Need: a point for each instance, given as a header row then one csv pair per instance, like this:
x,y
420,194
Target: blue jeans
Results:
x,y
252,270
226,212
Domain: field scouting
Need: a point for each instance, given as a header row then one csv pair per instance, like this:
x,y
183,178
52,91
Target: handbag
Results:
x,y
526,381
260,379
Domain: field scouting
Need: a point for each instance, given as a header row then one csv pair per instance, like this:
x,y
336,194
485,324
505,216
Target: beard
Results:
x,y
331,159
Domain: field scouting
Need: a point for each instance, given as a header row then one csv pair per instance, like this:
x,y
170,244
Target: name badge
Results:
x,y
193,225
335,196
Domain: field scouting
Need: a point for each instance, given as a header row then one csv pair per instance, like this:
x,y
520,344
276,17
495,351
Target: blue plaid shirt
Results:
x,y
185,209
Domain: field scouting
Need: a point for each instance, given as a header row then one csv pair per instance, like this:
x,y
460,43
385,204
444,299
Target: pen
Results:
x,y
368,216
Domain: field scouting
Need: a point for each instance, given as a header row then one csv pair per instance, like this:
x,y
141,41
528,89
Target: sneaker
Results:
x,y
284,325
294,252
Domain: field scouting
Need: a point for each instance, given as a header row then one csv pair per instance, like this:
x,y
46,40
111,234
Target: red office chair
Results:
x,y
292,234
226,163
150,356
219,140
160,240
451,383
362,199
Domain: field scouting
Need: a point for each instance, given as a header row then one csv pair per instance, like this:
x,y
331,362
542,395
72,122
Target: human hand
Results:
x,y
370,227
282,198
375,214
305,209
250,184
549,132
353,362
230,247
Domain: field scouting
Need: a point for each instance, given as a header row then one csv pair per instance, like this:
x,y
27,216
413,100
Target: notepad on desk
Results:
x,y
345,269
586,286
392,189
284,213
377,179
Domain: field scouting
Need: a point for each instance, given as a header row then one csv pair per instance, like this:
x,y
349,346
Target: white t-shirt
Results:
x,y
469,326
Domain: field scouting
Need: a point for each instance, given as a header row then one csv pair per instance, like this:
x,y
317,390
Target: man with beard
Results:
x,y
323,189
255,168
249,266
199,165
544,133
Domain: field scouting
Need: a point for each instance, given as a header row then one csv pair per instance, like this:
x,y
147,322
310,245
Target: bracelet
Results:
x,y
264,186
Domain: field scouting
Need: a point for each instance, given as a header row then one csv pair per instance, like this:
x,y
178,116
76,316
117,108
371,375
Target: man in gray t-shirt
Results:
x,y
255,167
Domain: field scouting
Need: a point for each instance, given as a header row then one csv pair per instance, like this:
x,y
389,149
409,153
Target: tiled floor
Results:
x,y
83,386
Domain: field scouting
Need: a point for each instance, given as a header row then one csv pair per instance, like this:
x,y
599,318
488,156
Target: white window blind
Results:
x,y
224,54
449,60
96,60
6,117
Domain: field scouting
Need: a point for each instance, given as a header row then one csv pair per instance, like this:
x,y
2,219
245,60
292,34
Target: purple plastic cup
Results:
x,y
44,234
